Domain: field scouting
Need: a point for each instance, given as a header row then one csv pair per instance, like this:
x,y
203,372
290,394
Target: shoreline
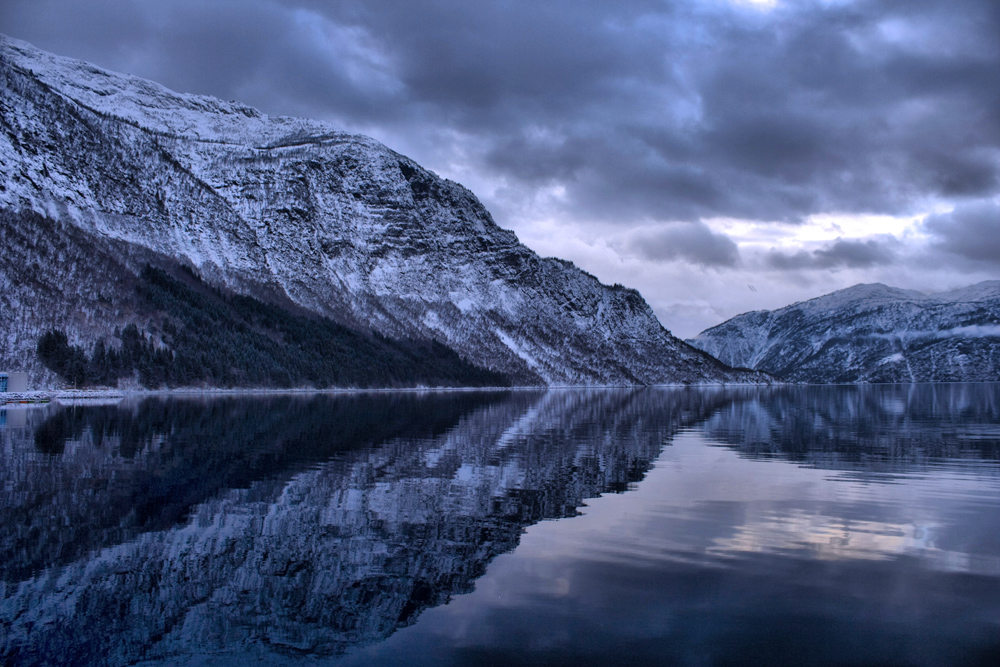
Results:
x,y
68,395
63,395
86,396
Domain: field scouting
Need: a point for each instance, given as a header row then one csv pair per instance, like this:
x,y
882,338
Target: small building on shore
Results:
x,y
13,381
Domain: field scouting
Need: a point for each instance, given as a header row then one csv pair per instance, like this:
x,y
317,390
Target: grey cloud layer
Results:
x,y
693,242
839,254
640,110
971,231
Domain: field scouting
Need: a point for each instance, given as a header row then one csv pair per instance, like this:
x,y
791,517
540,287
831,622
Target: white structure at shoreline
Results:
x,y
13,382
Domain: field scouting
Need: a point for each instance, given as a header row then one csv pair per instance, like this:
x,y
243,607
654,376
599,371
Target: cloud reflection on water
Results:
x,y
563,527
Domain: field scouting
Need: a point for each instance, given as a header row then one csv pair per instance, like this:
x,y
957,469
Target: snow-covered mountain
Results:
x,y
294,211
869,333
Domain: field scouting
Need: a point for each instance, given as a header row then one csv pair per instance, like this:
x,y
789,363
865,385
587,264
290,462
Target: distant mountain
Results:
x,y
869,333
124,172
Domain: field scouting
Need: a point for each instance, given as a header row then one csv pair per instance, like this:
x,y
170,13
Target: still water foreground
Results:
x,y
833,525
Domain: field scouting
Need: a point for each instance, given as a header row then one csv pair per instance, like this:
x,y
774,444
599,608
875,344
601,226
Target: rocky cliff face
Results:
x,y
869,333
294,210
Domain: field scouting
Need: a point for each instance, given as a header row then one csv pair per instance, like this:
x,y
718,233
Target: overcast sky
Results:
x,y
718,155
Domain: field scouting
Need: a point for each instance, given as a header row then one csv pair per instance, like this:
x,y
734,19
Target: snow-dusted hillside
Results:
x,y
294,210
869,333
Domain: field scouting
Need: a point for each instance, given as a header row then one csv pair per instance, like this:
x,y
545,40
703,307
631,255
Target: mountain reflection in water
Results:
x,y
827,525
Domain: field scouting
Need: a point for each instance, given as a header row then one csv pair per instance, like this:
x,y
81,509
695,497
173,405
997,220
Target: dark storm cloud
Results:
x,y
971,231
839,254
863,107
693,242
257,51
639,110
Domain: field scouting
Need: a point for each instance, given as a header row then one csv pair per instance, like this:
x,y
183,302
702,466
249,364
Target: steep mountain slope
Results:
x,y
869,333
296,211
201,336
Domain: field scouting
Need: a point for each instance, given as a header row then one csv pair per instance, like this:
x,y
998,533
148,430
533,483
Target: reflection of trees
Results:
x,y
109,473
863,426
349,516
310,525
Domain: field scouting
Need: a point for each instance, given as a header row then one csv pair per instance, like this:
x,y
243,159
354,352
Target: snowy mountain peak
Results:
x,y
861,293
984,291
869,333
154,107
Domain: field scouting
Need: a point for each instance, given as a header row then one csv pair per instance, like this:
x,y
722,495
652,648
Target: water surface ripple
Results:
x,y
790,525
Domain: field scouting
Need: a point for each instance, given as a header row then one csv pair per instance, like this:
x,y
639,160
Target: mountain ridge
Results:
x,y
335,223
869,333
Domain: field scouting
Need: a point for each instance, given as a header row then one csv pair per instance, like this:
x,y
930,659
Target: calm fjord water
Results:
x,y
791,525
